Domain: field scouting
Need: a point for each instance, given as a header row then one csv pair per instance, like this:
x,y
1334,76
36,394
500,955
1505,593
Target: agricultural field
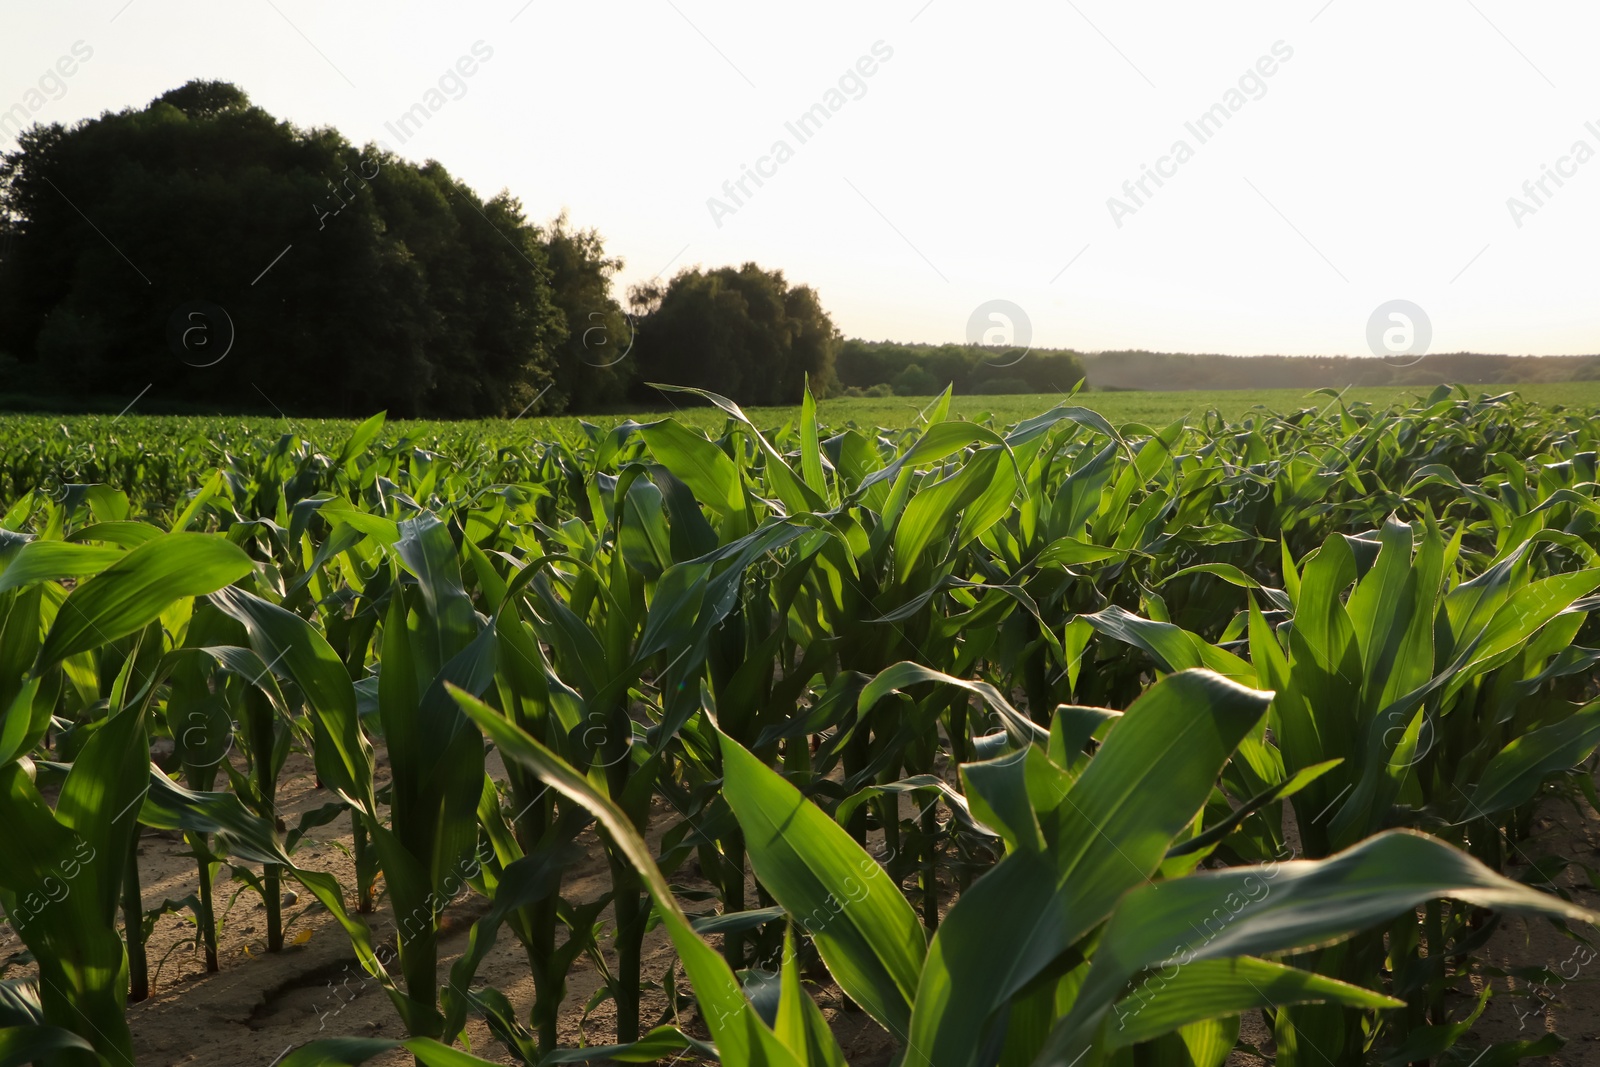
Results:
x,y
1113,729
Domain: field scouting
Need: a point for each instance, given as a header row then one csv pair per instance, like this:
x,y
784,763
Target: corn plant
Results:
x,y
65,871
1078,940
1056,638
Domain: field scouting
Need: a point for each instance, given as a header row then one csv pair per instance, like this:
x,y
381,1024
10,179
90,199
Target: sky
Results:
x,y
970,171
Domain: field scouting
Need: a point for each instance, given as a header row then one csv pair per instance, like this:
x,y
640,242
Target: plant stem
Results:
x,y
733,894
262,718
630,913
542,917
549,986
133,925
364,865
271,881
207,916
857,753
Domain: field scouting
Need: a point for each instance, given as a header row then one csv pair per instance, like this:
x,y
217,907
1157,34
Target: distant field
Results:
x,y
1151,407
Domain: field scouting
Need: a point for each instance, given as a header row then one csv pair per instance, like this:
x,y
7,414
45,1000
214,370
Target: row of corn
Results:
x,y
1053,743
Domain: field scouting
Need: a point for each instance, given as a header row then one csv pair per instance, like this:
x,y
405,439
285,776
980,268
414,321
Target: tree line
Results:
x,y
202,251
884,368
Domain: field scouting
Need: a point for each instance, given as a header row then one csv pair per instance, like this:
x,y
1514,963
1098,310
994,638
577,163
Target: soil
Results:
x,y
261,1005
1567,1002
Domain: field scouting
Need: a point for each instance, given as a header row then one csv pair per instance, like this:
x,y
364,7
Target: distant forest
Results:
x,y
882,368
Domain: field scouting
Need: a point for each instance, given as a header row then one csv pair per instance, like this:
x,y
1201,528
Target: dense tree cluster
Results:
x,y
347,280
743,332
218,256
594,360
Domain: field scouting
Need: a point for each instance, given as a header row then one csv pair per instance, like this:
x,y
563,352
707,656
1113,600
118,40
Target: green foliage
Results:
x,y
926,370
745,332
408,291
594,364
1066,739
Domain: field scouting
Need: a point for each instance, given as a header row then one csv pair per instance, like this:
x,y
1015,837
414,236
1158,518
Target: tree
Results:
x,y
345,280
594,364
743,332
915,380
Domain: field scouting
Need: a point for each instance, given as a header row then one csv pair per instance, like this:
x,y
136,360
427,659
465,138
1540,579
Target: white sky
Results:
x,y
1377,166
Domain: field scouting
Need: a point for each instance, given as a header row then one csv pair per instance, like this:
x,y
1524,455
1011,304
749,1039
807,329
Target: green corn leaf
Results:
x,y
663,1044
292,646
1071,552
1226,571
339,510
975,497
134,591
1172,647
1392,611
1280,908
1283,790
796,494
698,463
997,789
22,1045
349,1051
917,783
106,503
659,1044
810,446
25,720
1213,989
122,534
938,441
867,933
360,438
1523,614
1516,772
51,561
62,879
800,1024
245,835
1172,741
523,882
211,490
740,1034
906,673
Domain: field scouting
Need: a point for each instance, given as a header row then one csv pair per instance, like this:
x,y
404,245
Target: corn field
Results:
x,y
1057,743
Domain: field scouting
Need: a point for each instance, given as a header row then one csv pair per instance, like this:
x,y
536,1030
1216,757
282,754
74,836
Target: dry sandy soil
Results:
x,y
260,1005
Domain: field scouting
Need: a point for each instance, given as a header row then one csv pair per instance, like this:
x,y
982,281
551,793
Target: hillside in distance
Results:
x,y
913,369
1180,371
